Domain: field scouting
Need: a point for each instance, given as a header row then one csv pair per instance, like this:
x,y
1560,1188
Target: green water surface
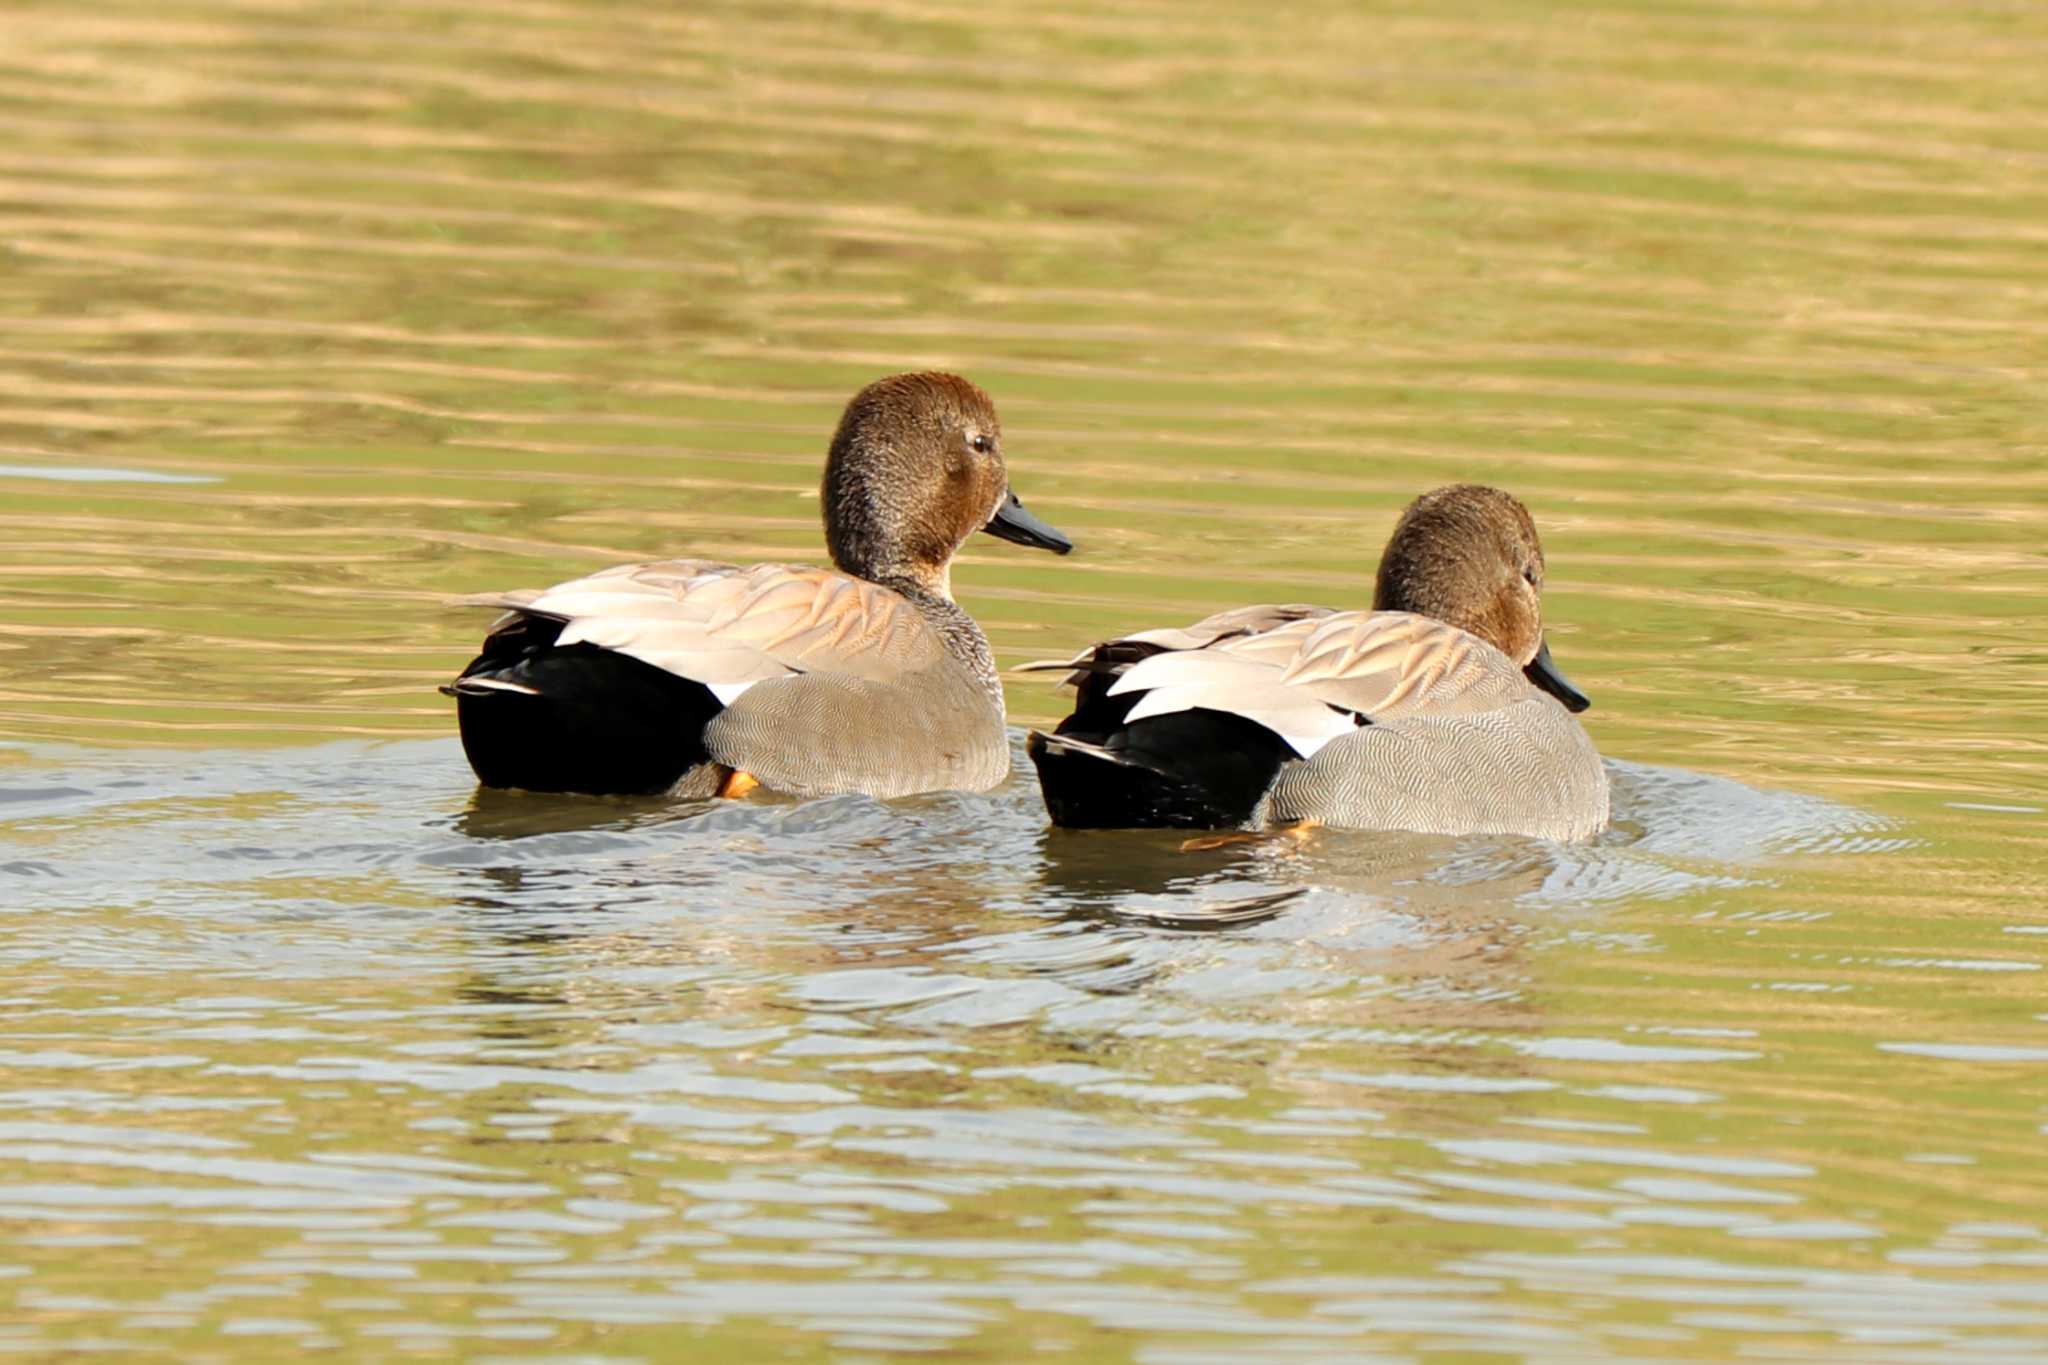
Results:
x,y
312,316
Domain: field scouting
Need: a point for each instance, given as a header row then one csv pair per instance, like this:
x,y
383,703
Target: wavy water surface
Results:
x,y
311,318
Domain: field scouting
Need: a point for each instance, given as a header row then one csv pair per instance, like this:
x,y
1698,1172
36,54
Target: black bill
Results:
x,y
1012,522
1544,674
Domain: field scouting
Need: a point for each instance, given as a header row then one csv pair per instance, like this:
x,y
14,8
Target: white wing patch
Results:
x,y
1214,680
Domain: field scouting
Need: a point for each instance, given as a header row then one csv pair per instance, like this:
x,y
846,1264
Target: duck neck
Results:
x,y
932,595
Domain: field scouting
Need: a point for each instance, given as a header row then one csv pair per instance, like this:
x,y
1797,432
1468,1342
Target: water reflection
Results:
x,y
781,1053
493,813
314,318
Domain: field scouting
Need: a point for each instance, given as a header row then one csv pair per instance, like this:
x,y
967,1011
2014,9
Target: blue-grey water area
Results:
x,y
313,317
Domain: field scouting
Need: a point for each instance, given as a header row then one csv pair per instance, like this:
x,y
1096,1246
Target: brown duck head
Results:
x,y
916,468
1468,555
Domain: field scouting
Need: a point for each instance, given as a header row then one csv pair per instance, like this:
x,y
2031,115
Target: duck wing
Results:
x,y
730,627
1114,656
1315,679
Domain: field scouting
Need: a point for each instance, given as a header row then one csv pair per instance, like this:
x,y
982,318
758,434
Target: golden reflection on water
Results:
x,y
311,319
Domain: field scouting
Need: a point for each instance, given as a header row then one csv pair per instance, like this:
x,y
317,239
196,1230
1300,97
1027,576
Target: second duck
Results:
x,y
1438,711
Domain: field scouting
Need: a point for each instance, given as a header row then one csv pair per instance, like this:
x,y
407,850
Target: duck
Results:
x,y
698,679
1439,711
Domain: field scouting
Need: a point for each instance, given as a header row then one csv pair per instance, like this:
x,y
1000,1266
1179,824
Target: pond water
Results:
x,y
312,317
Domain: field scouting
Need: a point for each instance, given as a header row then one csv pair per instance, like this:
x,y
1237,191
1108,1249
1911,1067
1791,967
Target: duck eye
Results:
x,y
980,444
1529,575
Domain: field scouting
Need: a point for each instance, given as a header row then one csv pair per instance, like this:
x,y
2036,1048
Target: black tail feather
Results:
x,y
1195,769
576,719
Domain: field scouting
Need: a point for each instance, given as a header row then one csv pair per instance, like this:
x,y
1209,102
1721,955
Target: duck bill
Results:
x,y
1012,522
1541,671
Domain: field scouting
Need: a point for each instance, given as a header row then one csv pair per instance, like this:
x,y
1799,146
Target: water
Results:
x,y
309,320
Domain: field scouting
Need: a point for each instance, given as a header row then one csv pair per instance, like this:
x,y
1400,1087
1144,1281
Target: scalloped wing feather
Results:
x,y
1238,622
1311,679
1224,625
1388,664
729,627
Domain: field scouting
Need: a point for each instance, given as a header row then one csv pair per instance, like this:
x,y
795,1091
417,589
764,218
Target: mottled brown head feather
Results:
x,y
916,468
1468,555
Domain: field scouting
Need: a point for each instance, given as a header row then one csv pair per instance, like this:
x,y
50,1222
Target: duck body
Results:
x,y
1387,719
683,676
671,676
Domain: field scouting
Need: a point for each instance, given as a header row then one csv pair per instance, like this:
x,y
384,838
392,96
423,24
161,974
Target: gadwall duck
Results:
x,y
1438,711
704,679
